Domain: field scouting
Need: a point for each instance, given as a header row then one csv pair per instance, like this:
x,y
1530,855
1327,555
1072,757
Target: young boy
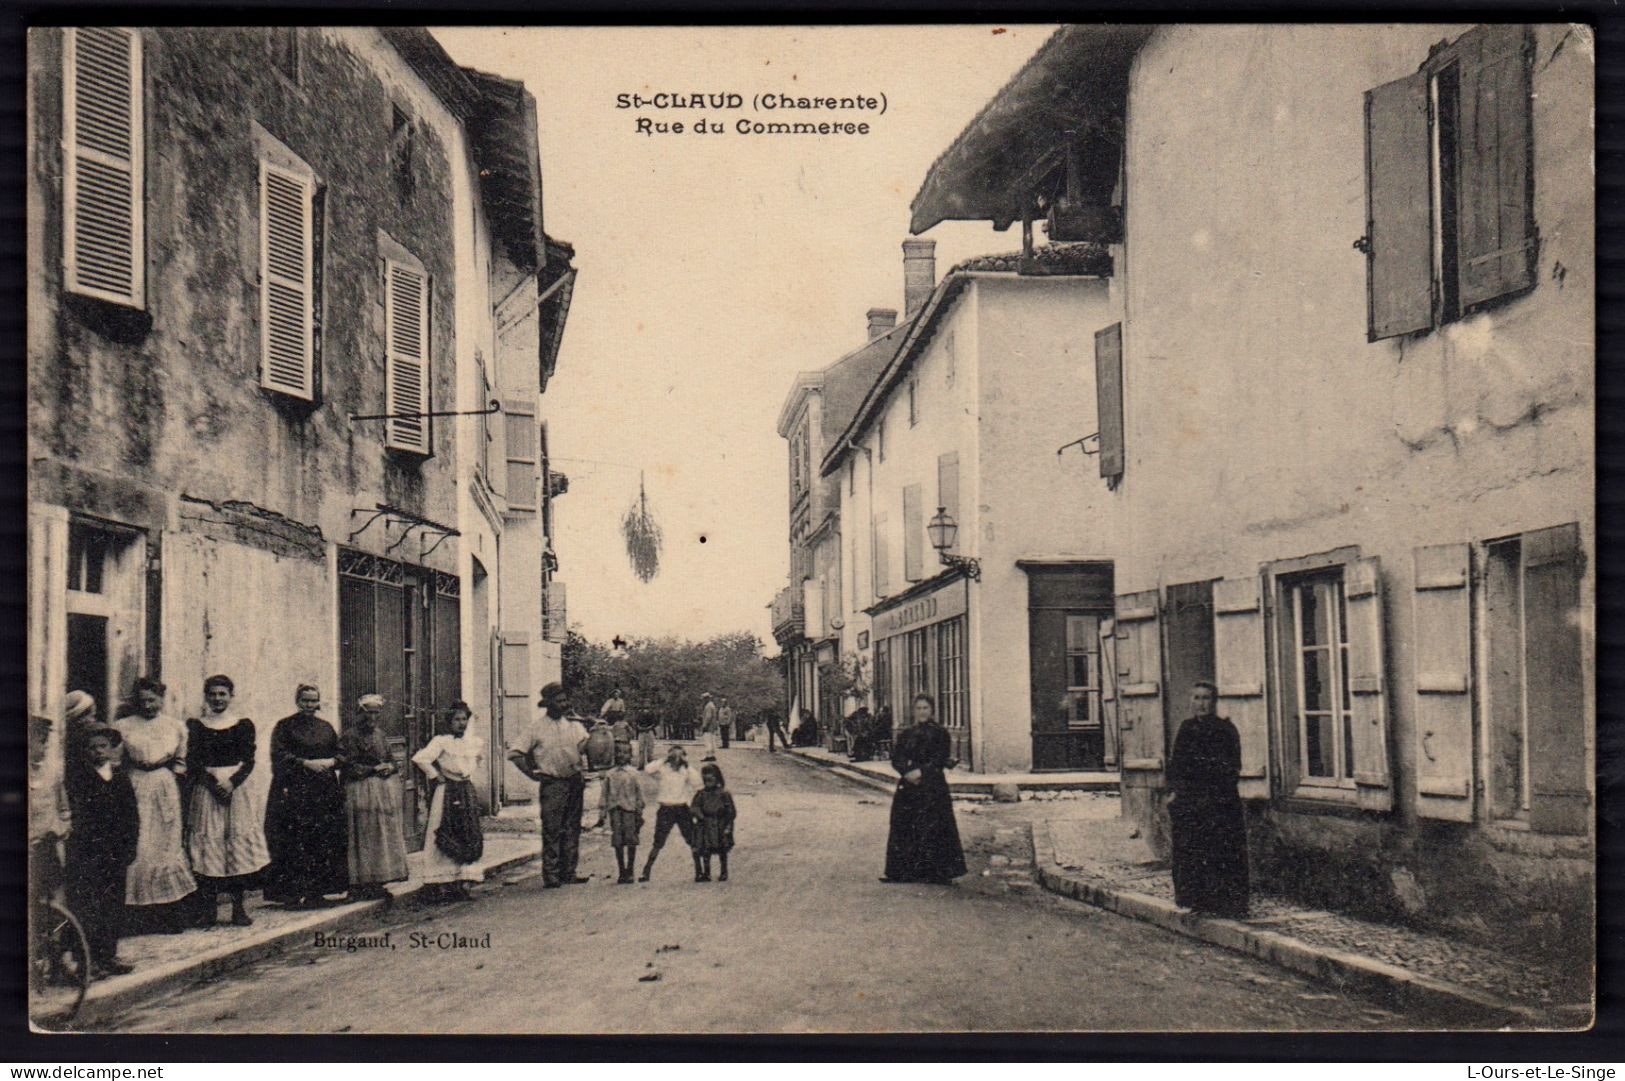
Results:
x,y
678,782
623,803
102,844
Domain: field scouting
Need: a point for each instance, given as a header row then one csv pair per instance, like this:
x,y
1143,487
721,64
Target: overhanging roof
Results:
x,y
506,149
1012,150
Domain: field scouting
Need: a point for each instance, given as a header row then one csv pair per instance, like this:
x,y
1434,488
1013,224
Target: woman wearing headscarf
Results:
x,y
1207,823
227,836
155,755
372,798
923,845
454,842
305,823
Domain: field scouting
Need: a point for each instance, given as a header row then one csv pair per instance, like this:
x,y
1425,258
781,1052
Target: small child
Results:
x,y
102,844
713,823
623,802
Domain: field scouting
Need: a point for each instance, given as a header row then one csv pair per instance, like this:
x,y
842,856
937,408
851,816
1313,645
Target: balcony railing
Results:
x,y
788,618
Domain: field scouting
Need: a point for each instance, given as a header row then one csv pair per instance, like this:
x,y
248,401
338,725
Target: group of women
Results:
x,y
330,822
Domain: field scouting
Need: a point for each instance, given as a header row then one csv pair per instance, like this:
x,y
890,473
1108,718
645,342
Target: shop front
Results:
x,y
922,647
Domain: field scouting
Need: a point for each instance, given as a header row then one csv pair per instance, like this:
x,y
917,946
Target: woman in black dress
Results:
x,y
305,823
226,839
924,842
1205,816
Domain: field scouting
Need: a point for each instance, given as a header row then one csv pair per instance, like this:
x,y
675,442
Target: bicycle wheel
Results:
x,y
61,964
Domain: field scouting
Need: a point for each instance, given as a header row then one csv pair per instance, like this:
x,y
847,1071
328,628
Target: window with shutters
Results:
x,y
1316,614
407,358
103,189
1109,401
879,557
284,45
288,280
487,472
402,146
1449,185
522,480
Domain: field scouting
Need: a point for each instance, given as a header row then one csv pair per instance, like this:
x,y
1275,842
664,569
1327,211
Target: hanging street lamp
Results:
x,y
942,529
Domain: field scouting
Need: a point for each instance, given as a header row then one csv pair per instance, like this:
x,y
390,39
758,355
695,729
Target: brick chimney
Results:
x,y
919,274
881,321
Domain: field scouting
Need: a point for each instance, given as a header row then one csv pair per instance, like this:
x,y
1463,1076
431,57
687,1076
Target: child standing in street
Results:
x,y
678,783
102,844
623,803
714,814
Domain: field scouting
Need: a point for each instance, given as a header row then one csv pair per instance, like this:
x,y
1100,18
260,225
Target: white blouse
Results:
x,y
454,757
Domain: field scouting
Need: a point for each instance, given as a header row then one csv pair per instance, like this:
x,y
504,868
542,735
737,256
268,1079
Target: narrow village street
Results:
x,y
804,938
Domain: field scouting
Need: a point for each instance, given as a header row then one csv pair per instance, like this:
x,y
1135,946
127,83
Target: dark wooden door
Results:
x,y
1064,652
1188,631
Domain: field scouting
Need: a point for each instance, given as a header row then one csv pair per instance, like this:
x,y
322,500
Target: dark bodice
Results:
x,y
208,748
925,747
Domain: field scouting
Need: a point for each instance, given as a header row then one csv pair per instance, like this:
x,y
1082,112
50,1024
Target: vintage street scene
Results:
x,y
811,530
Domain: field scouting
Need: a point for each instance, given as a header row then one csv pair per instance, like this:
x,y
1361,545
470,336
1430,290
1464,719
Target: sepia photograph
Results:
x,y
811,530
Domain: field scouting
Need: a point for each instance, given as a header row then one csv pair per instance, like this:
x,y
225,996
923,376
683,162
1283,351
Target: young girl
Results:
x,y
713,823
623,804
454,843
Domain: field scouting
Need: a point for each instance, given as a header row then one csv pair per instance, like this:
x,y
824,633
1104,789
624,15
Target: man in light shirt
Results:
x,y
725,721
708,726
678,782
552,752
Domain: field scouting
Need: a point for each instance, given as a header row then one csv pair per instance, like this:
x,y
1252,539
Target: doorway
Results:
x,y
1066,605
1188,627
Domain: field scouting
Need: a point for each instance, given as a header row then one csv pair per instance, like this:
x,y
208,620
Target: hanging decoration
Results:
x,y
642,534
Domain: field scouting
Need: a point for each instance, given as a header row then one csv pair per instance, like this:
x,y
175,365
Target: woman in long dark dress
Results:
x,y
1208,824
226,841
305,824
923,845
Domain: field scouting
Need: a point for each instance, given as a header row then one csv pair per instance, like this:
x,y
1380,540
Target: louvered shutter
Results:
x,y
558,616
1239,651
1368,711
1496,248
913,535
494,477
882,558
1139,682
103,184
519,438
948,488
286,282
406,318
1559,800
516,682
1108,690
1109,399
1398,193
1444,704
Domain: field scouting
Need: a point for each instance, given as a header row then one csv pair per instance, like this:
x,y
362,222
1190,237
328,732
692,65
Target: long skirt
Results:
x,y
159,874
377,844
305,830
456,828
227,839
923,845
1210,855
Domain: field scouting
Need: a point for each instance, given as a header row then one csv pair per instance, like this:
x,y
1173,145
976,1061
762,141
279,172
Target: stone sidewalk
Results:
x,y
963,783
1101,861
163,962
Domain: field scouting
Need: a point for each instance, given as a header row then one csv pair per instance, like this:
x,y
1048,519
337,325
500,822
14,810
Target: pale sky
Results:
x,y
715,267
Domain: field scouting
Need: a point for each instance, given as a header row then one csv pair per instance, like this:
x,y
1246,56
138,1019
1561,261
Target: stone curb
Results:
x,y
107,999
959,788
868,779
1400,988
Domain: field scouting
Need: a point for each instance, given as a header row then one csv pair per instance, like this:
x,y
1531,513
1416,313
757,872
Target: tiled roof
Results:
x,y
1080,258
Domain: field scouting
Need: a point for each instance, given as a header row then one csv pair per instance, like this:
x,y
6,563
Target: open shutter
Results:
x,y
1559,797
948,488
1368,712
286,282
1444,703
406,320
882,558
1496,246
557,613
103,188
1108,691
1398,198
516,688
520,436
913,535
1139,682
1239,651
1109,399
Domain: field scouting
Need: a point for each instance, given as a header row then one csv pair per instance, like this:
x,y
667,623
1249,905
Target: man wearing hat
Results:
x,y
552,752
708,726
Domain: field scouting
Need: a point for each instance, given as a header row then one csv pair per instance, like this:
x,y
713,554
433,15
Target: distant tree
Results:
x,y
665,677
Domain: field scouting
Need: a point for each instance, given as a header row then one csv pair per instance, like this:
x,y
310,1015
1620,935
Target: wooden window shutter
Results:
x,y
519,422
516,681
103,181
287,282
493,477
1239,650
1444,703
1399,197
406,321
1109,399
948,487
1559,798
1368,712
556,616
881,557
913,534
1139,681
1108,690
1496,247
